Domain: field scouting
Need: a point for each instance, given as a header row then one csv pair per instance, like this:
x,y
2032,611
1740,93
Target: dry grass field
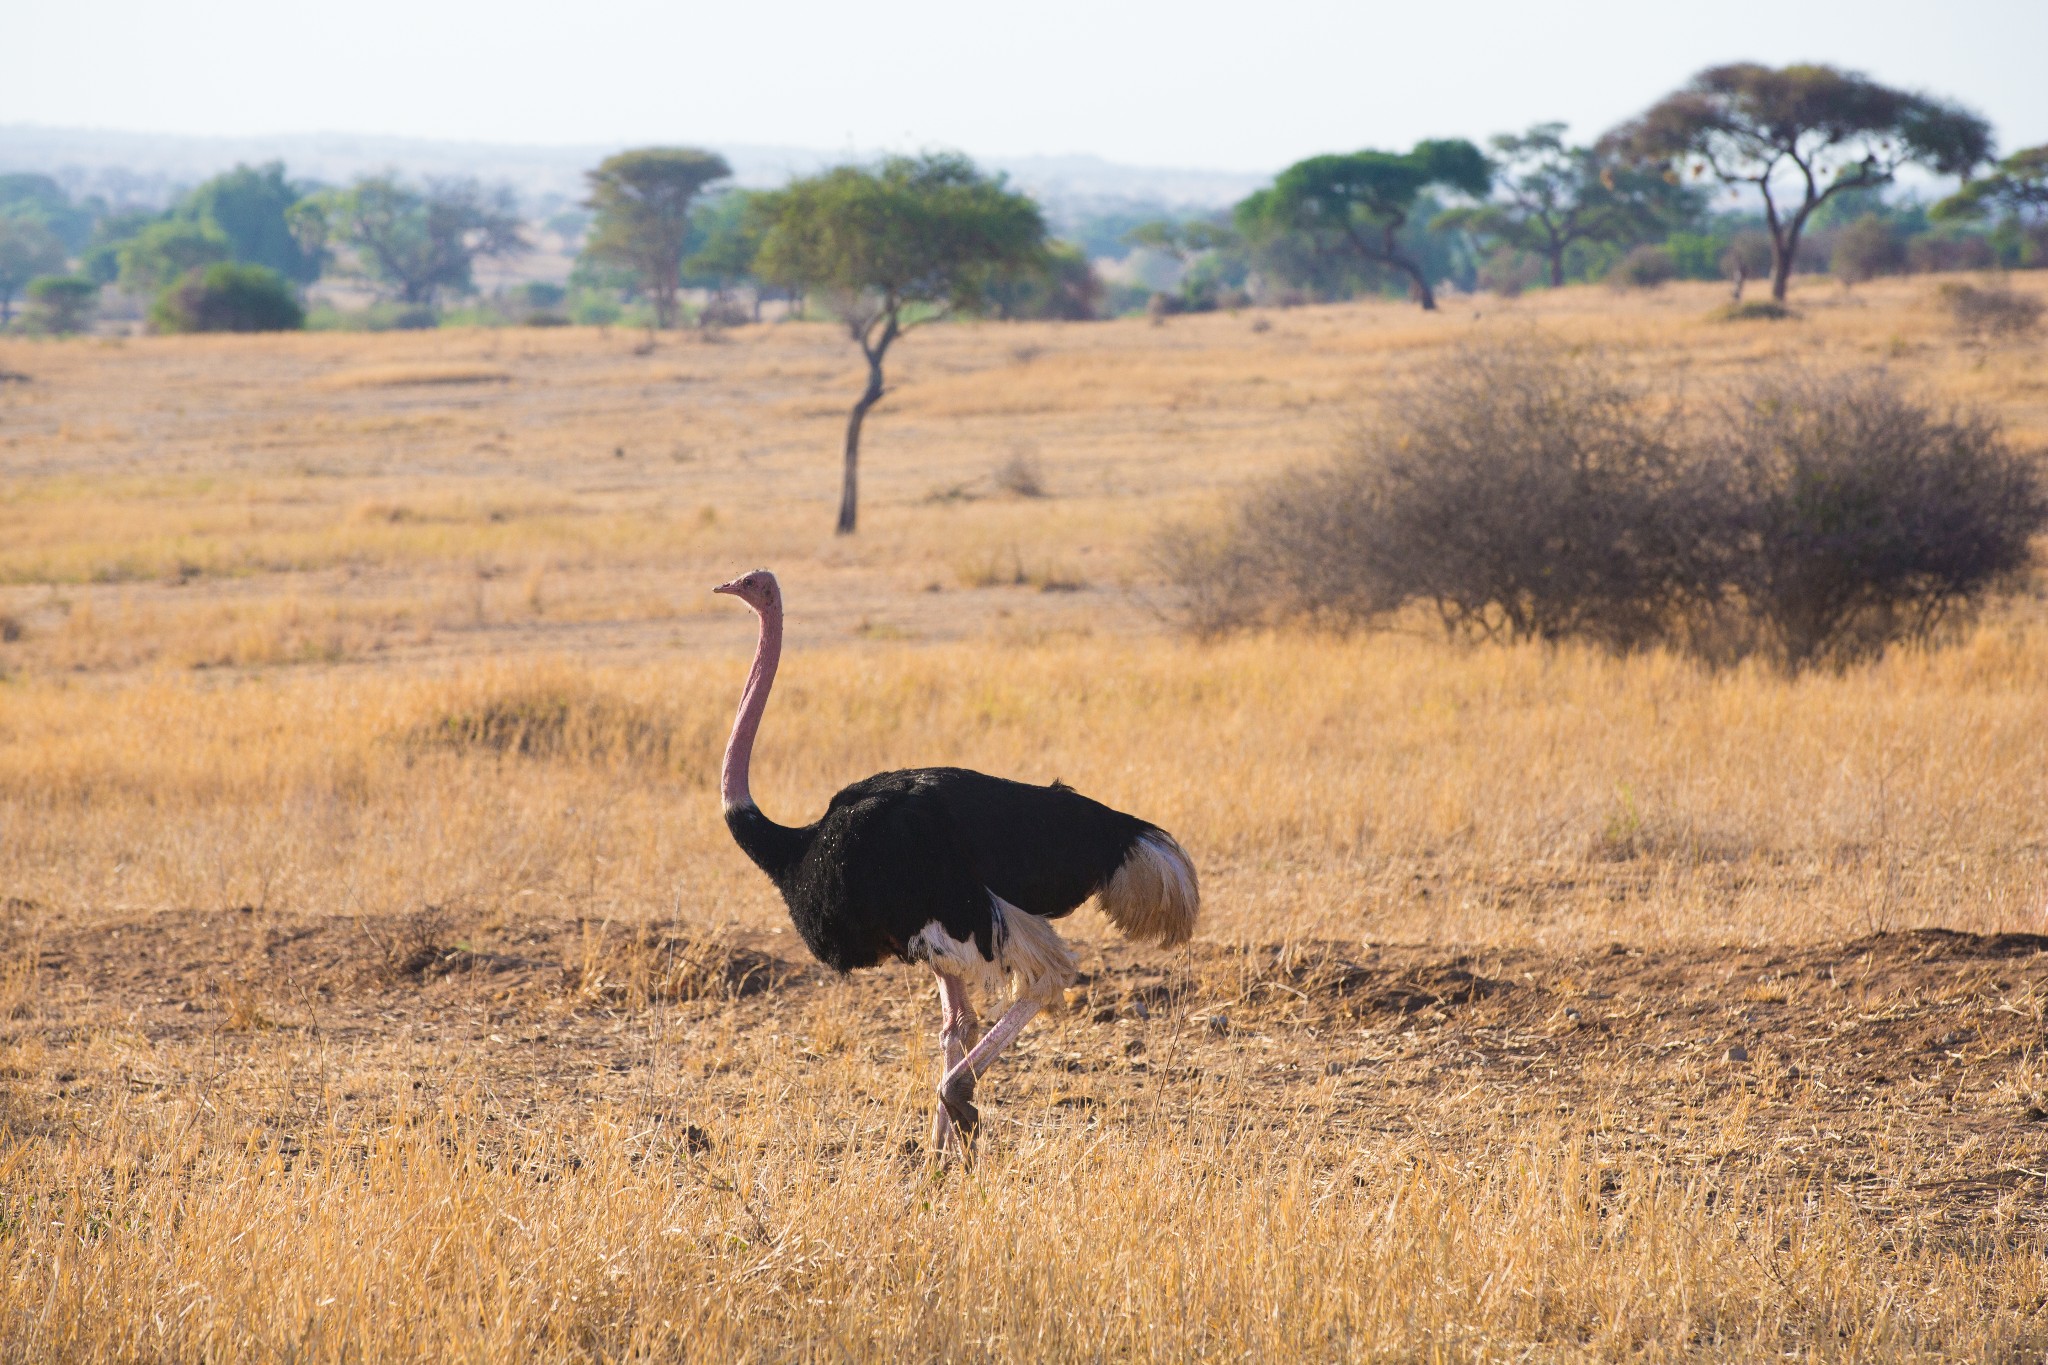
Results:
x,y
378,982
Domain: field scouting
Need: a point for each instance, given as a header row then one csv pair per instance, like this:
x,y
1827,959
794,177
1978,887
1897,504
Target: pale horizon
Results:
x,y
1183,87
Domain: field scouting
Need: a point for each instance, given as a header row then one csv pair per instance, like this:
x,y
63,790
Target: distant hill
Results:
x,y
150,168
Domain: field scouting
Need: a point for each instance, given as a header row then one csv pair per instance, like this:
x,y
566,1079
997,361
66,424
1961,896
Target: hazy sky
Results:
x,y
1194,83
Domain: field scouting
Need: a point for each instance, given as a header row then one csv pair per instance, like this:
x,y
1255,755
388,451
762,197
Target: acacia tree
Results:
x,y
1799,135
890,247
1551,196
416,243
1360,201
2017,188
642,199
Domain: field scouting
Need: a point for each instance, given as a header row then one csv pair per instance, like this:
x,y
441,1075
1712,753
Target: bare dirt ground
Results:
x,y
1902,1070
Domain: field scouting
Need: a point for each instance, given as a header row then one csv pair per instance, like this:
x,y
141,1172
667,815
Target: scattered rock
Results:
x,y
1736,1053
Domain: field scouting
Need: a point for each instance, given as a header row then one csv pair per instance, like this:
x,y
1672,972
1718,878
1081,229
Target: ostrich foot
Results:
x,y
956,1093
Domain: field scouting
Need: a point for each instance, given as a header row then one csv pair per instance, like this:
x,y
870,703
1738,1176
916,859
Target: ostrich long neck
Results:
x,y
740,748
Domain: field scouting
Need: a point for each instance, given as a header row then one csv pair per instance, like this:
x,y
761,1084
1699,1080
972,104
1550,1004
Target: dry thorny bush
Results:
x,y
1533,492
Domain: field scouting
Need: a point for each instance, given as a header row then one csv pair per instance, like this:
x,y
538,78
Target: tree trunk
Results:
x,y
1423,293
1557,268
1784,246
849,488
1781,269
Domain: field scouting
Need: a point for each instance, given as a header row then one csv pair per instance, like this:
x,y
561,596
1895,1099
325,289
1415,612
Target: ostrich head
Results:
x,y
758,590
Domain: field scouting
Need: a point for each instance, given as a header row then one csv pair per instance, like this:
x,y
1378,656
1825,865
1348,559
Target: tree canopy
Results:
x,y
166,250
889,246
642,201
28,248
418,244
2016,187
1360,201
250,207
1550,196
1798,135
30,194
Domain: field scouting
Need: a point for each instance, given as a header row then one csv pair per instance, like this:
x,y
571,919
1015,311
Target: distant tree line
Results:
x,y
1747,173
1804,152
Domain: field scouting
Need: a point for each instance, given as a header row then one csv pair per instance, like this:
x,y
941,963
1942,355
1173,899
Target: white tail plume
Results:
x,y
1154,897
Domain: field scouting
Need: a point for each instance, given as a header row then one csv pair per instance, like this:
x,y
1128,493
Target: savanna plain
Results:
x,y
378,981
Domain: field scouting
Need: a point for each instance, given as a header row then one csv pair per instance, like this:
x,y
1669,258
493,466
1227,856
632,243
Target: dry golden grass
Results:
x,y
378,981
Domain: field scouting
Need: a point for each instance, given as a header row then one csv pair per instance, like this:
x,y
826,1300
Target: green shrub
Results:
x,y
229,298
64,304
1696,255
595,308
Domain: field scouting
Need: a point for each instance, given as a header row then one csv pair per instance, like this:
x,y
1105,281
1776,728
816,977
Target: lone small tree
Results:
x,y
642,199
1551,196
1799,135
890,247
64,303
1362,200
415,243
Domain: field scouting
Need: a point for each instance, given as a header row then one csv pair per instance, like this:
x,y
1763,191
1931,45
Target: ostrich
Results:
x,y
953,869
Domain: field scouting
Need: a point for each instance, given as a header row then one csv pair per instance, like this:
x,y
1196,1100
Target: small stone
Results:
x,y
1219,1023
1737,1053
1138,1008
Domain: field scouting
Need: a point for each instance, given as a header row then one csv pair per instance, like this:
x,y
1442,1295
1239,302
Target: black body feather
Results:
x,y
900,850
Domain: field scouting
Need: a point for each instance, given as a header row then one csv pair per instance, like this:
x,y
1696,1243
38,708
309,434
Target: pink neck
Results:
x,y
739,749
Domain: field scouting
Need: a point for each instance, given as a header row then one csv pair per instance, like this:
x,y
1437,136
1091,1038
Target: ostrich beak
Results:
x,y
729,589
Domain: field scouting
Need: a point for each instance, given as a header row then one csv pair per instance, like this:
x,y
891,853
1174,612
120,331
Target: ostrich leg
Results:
x,y
954,1035
956,1092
